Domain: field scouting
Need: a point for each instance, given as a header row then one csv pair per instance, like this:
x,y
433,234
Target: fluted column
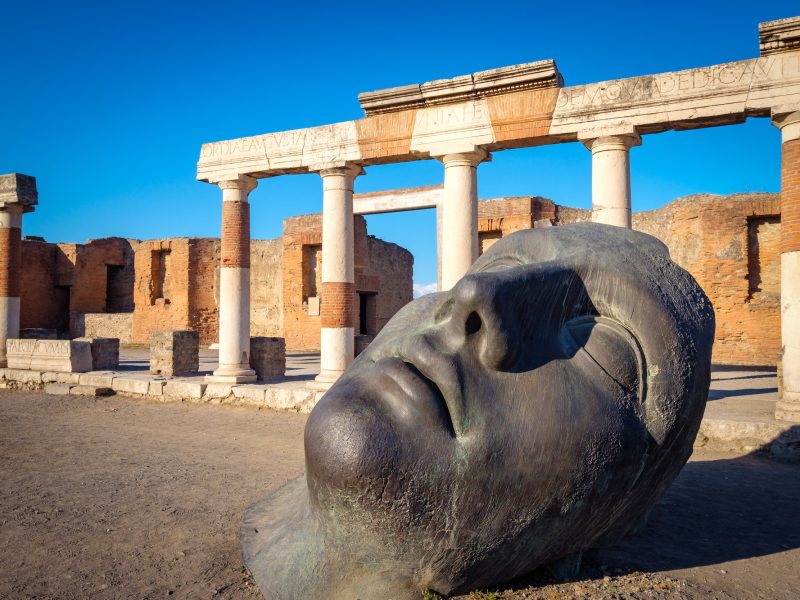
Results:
x,y
18,195
337,302
459,240
788,405
611,177
234,283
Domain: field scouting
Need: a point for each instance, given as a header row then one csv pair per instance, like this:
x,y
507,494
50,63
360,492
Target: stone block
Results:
x,y
53,377
268,357
174,353
22,375
131,386
105,352
300,400
97,379
90,390
156,388
38,333
251,394
184,389
68,356
217,391
58,389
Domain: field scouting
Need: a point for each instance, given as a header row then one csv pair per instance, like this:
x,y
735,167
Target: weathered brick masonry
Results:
x,y
790,191
10,257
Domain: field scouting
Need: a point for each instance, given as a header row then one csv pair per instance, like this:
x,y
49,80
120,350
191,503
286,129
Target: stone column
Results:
x,y
18,195
337,308
788,405
459,245
234,283
611,177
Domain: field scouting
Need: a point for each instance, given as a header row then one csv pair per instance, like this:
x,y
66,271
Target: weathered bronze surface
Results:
x,y
536,410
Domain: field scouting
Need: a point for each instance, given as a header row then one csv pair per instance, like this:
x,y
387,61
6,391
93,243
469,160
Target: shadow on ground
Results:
x,y
716,511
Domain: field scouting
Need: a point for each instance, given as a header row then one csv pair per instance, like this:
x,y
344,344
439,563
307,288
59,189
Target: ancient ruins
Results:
x,y
743,250
460,122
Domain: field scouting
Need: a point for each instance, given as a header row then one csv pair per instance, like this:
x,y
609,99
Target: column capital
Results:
x,y
243,183
617,138
788,122
471,159
18,193
345,169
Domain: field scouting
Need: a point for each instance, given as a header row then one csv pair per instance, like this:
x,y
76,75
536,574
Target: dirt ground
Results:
x,y
122,498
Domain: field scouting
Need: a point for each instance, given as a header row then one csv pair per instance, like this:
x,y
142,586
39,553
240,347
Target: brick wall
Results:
x,y
382,270
731,247
61,281
161,287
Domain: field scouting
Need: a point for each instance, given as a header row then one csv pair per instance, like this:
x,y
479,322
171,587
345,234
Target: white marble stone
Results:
x,y
66,356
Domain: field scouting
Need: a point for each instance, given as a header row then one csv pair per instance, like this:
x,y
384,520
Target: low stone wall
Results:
x,y
281,397
106,325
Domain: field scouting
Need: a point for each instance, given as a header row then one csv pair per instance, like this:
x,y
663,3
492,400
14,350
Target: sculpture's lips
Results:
x,y
428,377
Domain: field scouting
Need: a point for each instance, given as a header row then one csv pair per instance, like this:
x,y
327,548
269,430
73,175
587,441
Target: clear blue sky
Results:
x,y
107,103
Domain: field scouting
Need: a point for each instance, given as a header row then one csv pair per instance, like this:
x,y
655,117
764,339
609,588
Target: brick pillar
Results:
x,y
611,177
459,240
234,283
338,275
10,263
18,195
788,405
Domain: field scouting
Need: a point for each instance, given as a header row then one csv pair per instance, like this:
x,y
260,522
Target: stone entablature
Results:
x,y
782,35
61,356
528,76
720,94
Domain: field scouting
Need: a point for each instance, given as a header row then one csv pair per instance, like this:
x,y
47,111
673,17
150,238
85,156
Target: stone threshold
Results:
x,y
282,396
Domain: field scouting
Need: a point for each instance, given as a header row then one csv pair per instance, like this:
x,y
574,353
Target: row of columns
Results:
x,y
458,219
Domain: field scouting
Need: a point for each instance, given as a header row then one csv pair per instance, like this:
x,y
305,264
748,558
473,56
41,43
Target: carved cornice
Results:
x,y
534,75
782,35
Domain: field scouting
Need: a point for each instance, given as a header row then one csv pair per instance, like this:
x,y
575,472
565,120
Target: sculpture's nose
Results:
x,y
476,321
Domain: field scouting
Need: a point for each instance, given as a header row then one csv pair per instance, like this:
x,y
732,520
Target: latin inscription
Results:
x,y
40,347
287,142
673,85
449,117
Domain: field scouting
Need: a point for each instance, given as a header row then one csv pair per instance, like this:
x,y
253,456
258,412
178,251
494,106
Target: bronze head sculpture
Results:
x,y
537,409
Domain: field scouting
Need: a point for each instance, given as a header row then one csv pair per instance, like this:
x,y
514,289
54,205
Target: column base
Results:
x,y
788,407
233,374
324,380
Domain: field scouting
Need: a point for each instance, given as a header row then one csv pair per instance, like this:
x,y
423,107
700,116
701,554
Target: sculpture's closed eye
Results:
x,y
609,345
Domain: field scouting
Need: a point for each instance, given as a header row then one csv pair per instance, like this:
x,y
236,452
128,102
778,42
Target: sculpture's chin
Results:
x,y
348,441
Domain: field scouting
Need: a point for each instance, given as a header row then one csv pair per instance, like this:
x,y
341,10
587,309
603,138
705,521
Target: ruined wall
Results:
x,y
266,288
203,294
40,303
729,244
161,287
393,268
62,281
301,236
731,247
499,217
383,280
